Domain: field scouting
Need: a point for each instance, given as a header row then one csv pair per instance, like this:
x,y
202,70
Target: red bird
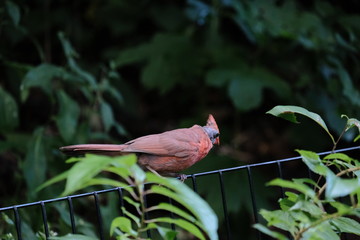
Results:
x,y
167,153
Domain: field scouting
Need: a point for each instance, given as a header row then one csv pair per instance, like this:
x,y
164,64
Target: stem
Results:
x,y
322,189
337,141
300,233
143,209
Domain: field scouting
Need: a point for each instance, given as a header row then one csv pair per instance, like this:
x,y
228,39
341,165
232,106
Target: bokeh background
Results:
x,y
108,71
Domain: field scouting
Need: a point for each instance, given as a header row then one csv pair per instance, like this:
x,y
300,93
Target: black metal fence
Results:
x,y
250,180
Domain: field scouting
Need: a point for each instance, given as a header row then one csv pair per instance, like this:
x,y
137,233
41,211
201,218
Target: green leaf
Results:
x,y
280,219
352,122
70,54
189,227
341,208
104,181
171,208
285,204
9,113
138,174
124,224
34,166
338,187
347,225
309,207
190,200
340,156
269,232
293,185
320,232
166,233
85,170
68,115
288,113
13,11
107,115
131,216
62,176
73,237
42,77
132,202
313,161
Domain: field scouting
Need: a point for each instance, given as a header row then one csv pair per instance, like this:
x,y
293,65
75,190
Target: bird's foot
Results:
x,y
182,177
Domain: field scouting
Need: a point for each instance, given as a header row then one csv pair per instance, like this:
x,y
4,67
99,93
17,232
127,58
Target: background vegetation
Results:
x,y
108,71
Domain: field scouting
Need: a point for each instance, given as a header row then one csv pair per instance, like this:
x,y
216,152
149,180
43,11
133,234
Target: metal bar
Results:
x,y
44,217
171,215
282,177
72,214
99,218
189,176
121,200
17,223
194,184
223,197
253,201
147,216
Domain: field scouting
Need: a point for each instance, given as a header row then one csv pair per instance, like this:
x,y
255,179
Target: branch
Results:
x,y
322,189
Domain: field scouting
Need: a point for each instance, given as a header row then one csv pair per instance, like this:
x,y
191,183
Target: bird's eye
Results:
x,y
216,135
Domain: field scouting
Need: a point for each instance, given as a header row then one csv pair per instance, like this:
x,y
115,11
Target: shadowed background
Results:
x,y
109,71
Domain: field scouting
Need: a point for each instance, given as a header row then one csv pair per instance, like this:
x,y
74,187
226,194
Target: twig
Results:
x,y
322,189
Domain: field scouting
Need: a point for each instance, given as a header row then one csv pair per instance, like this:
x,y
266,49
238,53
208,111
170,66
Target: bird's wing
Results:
x,y
179,143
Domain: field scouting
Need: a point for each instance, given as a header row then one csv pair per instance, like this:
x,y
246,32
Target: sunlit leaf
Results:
x,y
131,216
189,227
269,232
288,113
85,170
338,187
73,237
166,233
352,122
124,224
341,208
280,219
323,230
185,196
104,181
132,202
309,207
340,156
348,225
293,185
171,208
313,161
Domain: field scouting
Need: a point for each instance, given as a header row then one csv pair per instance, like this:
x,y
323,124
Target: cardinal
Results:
x,y
166,153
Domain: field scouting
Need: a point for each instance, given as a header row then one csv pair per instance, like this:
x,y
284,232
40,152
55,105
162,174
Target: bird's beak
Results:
x,y
217,141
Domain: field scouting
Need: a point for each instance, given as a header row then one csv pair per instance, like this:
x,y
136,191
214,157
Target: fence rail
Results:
x,y
228,226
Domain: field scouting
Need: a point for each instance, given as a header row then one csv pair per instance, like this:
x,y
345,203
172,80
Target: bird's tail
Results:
x,y
101,149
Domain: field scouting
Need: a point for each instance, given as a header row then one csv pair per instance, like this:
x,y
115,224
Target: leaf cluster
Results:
x,y
192,213
310,210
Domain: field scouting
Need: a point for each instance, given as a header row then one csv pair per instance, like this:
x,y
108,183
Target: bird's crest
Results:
x,y
212,124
